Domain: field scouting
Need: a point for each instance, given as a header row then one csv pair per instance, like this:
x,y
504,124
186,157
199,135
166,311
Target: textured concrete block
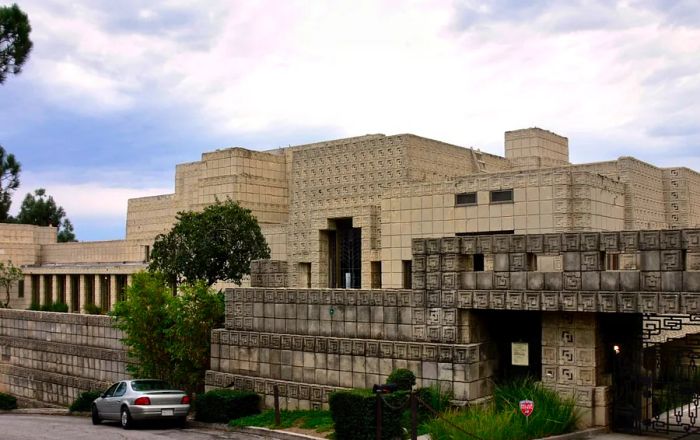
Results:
x,y
650,260
468,280
553,281
572,261
590,280
672,260
518,262
518,280
501,262
671,281
691,281
609,280
629,281
535,280
484,280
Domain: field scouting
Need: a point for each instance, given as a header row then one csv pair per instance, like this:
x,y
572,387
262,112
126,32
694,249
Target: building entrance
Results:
x,y
344,255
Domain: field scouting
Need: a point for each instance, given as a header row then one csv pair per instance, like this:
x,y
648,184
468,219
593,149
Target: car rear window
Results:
x,y
150,385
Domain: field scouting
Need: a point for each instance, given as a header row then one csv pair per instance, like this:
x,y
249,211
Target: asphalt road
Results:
x,y
41,427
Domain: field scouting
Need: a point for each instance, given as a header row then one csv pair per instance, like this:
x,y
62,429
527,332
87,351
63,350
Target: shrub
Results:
x,y
34,306
220,406
59,307
502,420
403,378
84,401
354,414
7,402
92,309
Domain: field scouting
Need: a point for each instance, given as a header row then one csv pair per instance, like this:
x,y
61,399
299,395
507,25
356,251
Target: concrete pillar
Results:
x,y
82,291
27,291
54,288
97,290
42,288
113,294
68,291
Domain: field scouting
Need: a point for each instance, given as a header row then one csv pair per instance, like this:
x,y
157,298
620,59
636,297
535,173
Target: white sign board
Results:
x,y
520,354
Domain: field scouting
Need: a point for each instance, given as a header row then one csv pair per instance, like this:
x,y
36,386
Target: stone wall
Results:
x,y
313,341
50,358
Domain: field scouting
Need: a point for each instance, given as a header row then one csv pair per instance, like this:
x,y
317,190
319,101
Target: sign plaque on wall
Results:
x,y
520,354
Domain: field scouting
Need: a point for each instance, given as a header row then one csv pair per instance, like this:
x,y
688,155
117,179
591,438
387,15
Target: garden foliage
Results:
x,y
221,406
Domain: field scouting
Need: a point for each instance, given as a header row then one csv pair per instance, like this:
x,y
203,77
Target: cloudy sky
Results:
x,y
113,97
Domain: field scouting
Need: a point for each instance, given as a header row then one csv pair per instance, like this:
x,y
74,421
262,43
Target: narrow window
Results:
x,y
612,261
465,199
407,274
20,289
376,267
531,262
502,196
478,262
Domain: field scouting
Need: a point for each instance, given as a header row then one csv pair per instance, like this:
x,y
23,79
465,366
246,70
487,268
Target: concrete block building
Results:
x,y
342,213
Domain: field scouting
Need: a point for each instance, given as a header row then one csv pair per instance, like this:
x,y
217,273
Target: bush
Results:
x,y
92,309
59,307
502,420
220,406
354,414
84,401
7,402
34,306
403,378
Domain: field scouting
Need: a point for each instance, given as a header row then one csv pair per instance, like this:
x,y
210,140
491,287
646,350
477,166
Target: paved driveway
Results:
x,y
40,427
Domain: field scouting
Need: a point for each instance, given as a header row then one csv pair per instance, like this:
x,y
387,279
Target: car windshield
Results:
x,y
150,385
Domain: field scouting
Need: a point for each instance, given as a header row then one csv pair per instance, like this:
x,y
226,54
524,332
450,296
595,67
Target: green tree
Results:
x,y
215,244
41,209
9,274
169,336
9,181
15,44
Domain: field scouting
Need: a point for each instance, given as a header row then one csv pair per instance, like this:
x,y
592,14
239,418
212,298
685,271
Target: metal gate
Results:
x,y
656,385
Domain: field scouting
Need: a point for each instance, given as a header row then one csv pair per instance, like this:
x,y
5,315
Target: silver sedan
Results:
x,y
140,399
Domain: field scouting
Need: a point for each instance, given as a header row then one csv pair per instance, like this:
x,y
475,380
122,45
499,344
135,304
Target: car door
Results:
x,y
113,402
102,402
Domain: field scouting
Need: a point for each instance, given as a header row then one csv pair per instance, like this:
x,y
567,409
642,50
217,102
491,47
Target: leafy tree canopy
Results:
x,y
215,244
9,181
169,335
15,44
41,209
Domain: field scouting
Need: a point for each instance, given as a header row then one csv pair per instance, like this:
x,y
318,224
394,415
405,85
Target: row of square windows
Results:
x,y
498,196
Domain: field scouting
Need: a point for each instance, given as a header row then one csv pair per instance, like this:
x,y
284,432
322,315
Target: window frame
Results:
x,y
474,203
501,191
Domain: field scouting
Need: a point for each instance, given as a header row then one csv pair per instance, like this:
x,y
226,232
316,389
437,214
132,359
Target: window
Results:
x,y
407,274
376,275
465,199
20,289
612,261
110,391
479,262
502,196
121,389
531,262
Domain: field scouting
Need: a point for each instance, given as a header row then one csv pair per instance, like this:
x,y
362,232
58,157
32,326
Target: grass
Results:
x,y
502,420
319,421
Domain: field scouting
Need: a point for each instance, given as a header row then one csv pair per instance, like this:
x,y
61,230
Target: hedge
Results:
x,y
220,406
7,402
354,414
84,401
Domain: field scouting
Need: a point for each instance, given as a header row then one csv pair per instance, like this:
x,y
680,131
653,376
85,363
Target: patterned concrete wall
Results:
x,y
50,358
312,341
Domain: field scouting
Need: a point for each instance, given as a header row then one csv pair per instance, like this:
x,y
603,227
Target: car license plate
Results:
x,y
167,412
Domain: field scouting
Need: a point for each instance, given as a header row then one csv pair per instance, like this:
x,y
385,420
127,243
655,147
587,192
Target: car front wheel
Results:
x,y
126,421
95,415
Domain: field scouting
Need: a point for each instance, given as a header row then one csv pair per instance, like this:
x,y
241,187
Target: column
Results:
x,y
54,288
83,293
97,290
28,289
113,294
42,287
68,291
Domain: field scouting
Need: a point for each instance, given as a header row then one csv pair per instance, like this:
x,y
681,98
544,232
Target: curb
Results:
x,y
264,432
583,434
45,412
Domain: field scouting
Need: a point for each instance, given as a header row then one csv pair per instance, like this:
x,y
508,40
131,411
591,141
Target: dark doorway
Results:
x,y
524,329
622,350
344,254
